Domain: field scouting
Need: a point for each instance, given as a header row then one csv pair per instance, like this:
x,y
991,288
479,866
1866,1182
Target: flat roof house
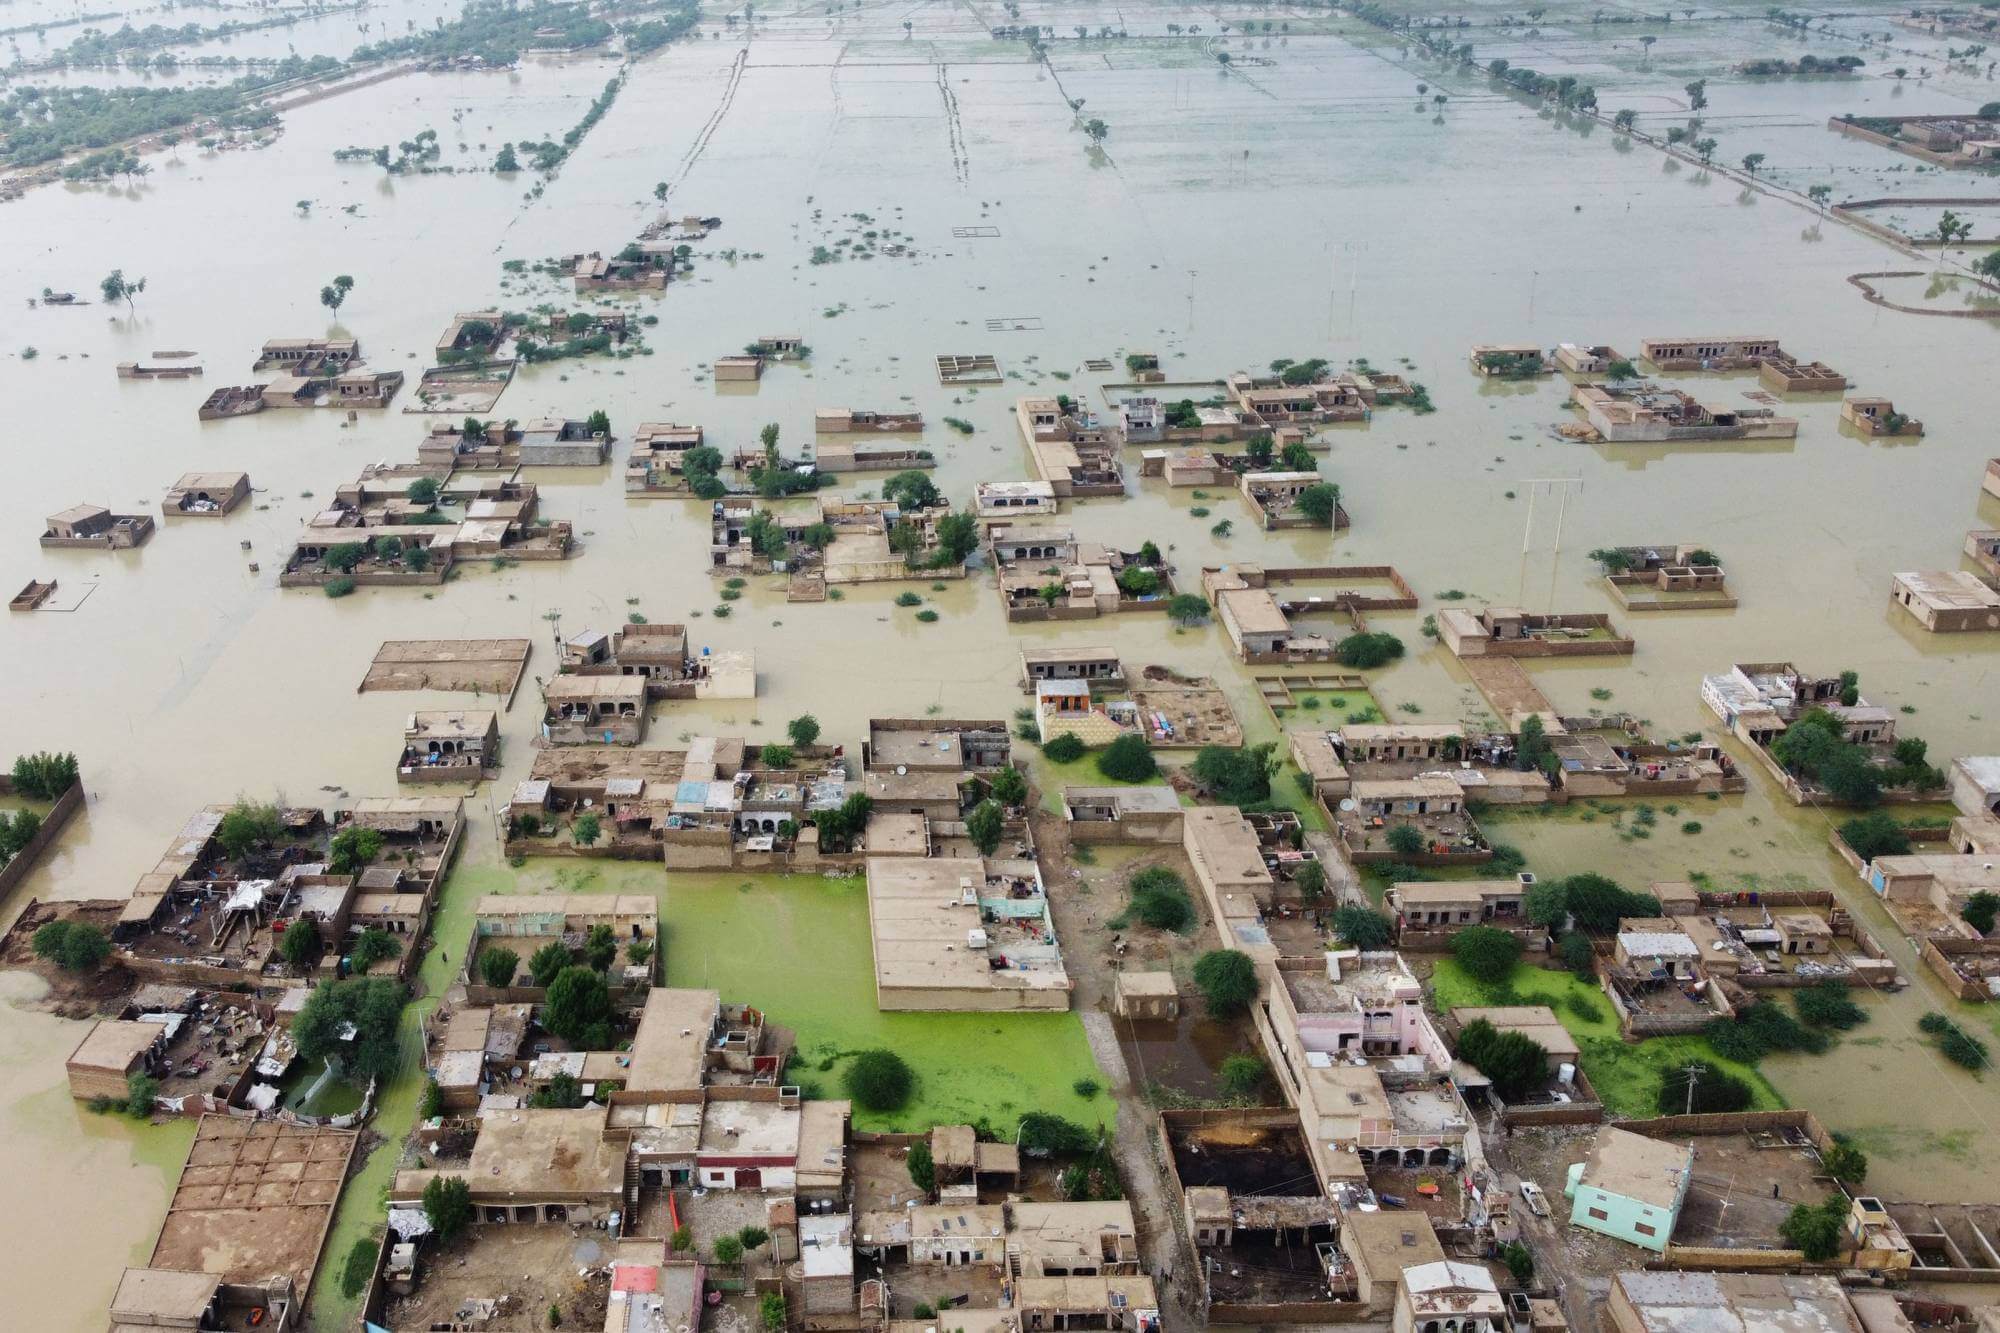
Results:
x,y
1946,601
453,745
110,1053
205,494
586,710
93,527
963,934
1631,1188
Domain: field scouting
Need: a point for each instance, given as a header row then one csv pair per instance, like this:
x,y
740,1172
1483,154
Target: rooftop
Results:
x,y
1735,1302
545,1152
669,1048
1636,1167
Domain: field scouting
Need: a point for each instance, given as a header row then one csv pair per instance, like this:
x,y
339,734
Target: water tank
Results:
x,y
1566,1073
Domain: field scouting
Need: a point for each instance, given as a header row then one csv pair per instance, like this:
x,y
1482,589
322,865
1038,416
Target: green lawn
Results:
x,y
1626,1074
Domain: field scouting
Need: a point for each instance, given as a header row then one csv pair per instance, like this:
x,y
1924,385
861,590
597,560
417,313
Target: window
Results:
x,y
1643,1229
1599,1215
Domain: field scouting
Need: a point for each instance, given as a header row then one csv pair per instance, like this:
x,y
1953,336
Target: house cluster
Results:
x,y
1259,607
479,444
314,372
1070,447
212,910
394,524
1667,577
1084,692
1045,573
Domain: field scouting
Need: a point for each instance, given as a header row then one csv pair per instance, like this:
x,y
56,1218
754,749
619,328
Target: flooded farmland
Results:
x,y
1302,200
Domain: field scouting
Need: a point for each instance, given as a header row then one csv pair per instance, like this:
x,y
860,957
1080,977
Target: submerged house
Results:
x,y
1640,412
93,527
206,494
587,710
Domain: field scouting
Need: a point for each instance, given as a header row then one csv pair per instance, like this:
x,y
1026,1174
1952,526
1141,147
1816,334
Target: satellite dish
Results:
x,y
1347,804
902,770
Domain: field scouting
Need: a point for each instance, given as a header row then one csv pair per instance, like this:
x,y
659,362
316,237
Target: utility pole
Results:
x,y
1693,1071
1527,531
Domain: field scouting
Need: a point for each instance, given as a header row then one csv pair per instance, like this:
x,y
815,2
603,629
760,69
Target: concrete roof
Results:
x,y
1387,1243
1736,1302
114,1043
751,1129
668,1050
1537,1022
1633,1166
545,1152
1147,983
1134,800
158,1295
1949,589
1254,610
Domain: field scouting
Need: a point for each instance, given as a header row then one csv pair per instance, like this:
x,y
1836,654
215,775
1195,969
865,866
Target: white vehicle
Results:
x,y
1536,1199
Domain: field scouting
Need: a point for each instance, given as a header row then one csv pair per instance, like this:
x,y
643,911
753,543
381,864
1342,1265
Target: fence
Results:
x,y
53,824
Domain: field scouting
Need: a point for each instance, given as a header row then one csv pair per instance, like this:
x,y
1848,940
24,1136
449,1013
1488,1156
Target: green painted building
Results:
x,y
1631,1188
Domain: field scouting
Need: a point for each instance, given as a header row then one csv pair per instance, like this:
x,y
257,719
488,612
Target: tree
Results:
x,y
728,1249
1406,839
1367,650
1096,129
1320,502
772,1313
342,557
1520,1261
1310,878
506,161
804,730
1487,953
1160,899
1043,1133
1815,1229
423,491
1597,903
1875,834
912,490
754,1236
548,962
74,946
43,776
331,297
1242,1075
776,756
1295,456
1514,1062
598,423
1227,980
879,1080
1845,1163
587,830
497,965
353,848
447,1206
985,825
1705,149
923,1170
246,826
1188,609
957,537
1222,529
1951,227
1063,749
117,287
561,1093
1820,195
1009,787
600,947
1625,119
579,1008
1235,776
1980,910
1127,759
1988,266
371,1008
1697,94
1576,954
1752,161
300,944
1362,927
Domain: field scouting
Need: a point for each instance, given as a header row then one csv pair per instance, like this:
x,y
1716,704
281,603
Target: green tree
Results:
x,y
1227,980
600,947
1127,759
1520,1261
1187,609
754,1236
1697,94
771,1311
1752,161
1514,1062
1310,878
447,1206
1980,909
1845,1163
579,1008
1705,149
1576,954
74,946
728,1250
1235,776
352,849
560,1093
1365,651
1160,899
1815,1229
1063,749
1362,927
1596,903
1486,953
1296,457
371,1007
1406,839
44,776
375,945
506,161
776,756
984,826
1320,503
300,944
912,490
587,829
117,287
1714,1091
423,491
246,826
331,297
598,423
1242,1075
1546,904
140,1091
1820,195
344,556
923,1171
804,730
497,965
1009,787
879,1080
957,537
548,962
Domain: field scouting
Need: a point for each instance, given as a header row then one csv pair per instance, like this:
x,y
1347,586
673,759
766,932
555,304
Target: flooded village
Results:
x,y
554,783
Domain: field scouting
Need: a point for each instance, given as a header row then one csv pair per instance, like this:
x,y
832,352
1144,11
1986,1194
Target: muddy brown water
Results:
x,y
1294,208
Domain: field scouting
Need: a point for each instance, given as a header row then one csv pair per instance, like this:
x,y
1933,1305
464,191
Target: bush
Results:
x,y
1362,927
1406,839
1827,1004
879,1080
1515,1062
1086,1088
1242,1075
140,1090
1235,776
1760,1029
1980,909
1127,759
1487,953
776,756
1576,954
1815,1229
771,1312
1714,1090
681,1241
1228,981
359,1266
447,1206
754,1236
1366,650
728,1250
497,966
1064,749
1160,899
1041,1132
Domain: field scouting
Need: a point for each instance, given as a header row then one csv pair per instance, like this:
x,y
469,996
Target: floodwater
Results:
x,y
1299,203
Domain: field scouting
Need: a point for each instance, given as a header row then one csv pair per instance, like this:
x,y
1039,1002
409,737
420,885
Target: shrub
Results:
x,y
1086,1088
431,1106
339,587
1515,1062
561,1093
1064,749
681,1241
1980,909
771,1312
728,1250
776,756
1127,759
1845,1163
1827,1004
1487,953
754,1236
245,826
1575,952
140,1090
1235,776
1187,609
1520,1261
1714,1090
359,1266
447,1206
879,1080
1242,1075
1815,1229
1228,981
1160,899
497,965
1367,650
1045,1133
1406,839
579,1008
1362,927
